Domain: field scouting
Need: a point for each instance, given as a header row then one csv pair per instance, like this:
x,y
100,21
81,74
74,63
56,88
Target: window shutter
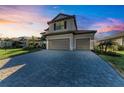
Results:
x,y
65,24
54,26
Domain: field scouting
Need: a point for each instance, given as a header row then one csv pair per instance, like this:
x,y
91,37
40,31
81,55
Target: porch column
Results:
x,y
47,44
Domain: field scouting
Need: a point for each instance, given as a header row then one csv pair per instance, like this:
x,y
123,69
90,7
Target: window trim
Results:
x,y
60,25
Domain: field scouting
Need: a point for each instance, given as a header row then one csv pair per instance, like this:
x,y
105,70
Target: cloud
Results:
x,y
119,27
84,22
23,14
110,24
55,7
22,20
104,26
31,20
4,21
113,20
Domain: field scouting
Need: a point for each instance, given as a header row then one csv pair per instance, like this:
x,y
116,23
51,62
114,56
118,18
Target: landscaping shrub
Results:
x,y
120,47
96,51
109,53
43,46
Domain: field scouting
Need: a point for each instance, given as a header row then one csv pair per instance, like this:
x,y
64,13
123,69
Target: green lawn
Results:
x,y
14,52
118,62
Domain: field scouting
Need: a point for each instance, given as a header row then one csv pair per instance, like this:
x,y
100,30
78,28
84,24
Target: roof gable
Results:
x,y
61,16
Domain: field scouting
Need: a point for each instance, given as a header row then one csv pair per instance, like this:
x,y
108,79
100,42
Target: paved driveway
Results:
x,y
59,68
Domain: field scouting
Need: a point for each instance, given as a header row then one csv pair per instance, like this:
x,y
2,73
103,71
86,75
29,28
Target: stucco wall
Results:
x,y
118,40
59,36
70,25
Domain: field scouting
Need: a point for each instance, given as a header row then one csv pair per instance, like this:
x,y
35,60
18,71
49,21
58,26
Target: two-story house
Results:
x,y
64,33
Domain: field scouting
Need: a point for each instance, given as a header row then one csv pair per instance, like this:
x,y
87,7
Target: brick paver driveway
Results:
x,y
60,68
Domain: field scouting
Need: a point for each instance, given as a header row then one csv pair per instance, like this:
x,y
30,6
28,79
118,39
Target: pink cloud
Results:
x,y
22,21
113,20
109,24
22,14
101,24
3,21
111,28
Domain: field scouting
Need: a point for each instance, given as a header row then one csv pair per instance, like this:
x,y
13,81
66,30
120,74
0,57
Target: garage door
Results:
x,y
58,44
83,44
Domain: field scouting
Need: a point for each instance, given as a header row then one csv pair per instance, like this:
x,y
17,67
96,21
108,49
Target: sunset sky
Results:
x,y
18,21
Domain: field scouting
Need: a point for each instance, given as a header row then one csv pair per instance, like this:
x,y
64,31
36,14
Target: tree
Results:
x,y
5,44
106,44
43,39
101,46
33,41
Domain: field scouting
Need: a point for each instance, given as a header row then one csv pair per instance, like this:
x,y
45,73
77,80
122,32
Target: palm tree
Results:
x,y
43,39
108,44
33,41
105,45
5,44
101,47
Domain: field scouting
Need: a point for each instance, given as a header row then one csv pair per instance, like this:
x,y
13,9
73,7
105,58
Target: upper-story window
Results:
x,y
60,25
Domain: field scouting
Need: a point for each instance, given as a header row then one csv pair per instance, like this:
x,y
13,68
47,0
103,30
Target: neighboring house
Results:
x,y
20,42
6,43
25,42
64,33
34,42
118,38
